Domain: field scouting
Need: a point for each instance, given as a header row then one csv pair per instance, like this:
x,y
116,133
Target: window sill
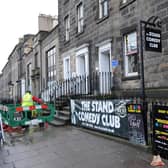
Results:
x,y
126,4
79,33
102,19
66,42
130,78
66,1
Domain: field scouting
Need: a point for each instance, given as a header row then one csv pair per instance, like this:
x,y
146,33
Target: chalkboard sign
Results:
x,y
161,129
136,131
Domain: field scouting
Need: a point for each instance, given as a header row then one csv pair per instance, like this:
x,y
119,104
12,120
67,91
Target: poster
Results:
x,y
109,116
160,129
136,130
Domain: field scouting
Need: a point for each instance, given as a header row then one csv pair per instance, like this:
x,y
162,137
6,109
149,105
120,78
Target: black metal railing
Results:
x,y
98,83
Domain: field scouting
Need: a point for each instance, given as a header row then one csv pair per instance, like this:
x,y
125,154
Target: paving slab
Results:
x,y
70,147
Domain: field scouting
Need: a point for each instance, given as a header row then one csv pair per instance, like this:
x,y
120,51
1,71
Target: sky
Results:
x,y
19,17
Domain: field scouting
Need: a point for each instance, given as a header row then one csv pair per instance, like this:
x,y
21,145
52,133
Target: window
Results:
x,y
67,28
105,68
82,61
103,8
130,54
29,68
123,1
35,60
51,65
67,73
80,17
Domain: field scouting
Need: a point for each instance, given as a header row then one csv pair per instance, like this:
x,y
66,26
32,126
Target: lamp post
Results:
x,y
150,28
152,39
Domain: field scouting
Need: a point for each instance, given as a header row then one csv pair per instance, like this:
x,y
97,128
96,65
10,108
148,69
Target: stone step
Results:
x,y
64,118
66,108
63,112
62,106
57,123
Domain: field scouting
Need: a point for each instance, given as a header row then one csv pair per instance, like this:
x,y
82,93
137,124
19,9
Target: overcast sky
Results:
x,y
19,17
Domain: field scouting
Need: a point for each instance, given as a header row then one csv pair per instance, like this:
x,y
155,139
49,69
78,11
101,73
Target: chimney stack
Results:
x,y
47,22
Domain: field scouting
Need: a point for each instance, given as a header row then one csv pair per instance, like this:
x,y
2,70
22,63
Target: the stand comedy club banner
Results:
x,y
102,115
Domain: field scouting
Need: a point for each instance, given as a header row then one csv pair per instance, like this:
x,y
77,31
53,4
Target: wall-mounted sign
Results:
x,y
108,116
114,63
153,40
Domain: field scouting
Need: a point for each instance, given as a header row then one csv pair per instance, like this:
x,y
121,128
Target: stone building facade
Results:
x,y
155,63
101,37
50,58
105,36
5,79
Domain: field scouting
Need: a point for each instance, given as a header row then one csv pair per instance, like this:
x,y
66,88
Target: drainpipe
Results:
x,y
40,65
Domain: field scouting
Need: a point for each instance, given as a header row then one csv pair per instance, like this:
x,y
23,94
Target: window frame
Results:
x,y
51,64
29,74
128,54
80,18
36,60
67,27
67,74
102,8
83,51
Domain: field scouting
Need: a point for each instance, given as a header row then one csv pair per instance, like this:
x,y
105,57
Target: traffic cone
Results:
x,y
157,161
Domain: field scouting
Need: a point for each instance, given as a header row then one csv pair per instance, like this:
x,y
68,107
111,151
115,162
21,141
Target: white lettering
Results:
x,y
152,39
152,45
154,34
85,105
110,121
102,106
93,118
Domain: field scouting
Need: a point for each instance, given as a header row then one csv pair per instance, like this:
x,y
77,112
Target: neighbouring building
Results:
x,y
46,24
23,48
50,62
23,70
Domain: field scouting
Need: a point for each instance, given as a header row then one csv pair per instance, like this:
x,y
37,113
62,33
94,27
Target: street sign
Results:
x,y
114,63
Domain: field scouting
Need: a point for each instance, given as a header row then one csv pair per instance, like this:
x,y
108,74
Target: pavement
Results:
x,y
70,147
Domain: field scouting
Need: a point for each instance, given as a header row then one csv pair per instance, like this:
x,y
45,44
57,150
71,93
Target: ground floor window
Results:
x,y
67,73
